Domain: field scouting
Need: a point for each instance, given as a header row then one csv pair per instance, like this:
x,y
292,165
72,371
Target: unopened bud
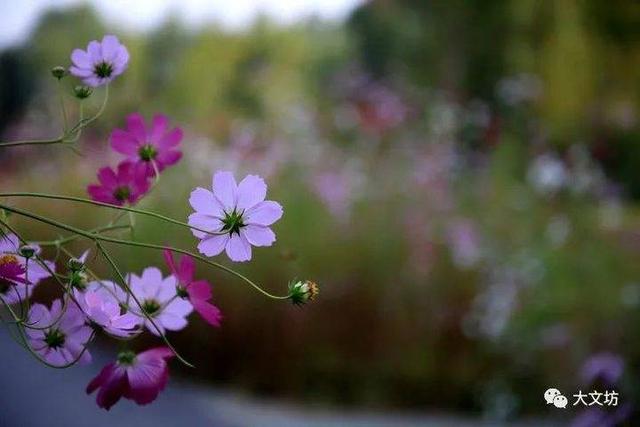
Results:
x,y
78,280
27,251
82,92
75,264
302,292
58,72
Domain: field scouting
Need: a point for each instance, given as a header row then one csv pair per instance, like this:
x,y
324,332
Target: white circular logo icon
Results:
x,y
551,394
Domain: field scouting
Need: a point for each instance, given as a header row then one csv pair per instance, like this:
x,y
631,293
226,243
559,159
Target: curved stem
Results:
x,y
141,245
69,239
32,142
108,205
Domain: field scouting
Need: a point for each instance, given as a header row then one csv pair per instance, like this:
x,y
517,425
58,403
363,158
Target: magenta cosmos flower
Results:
x,y
60,338
136,377
14,291
198,292
100,302
101,62
236,215
158,298
148,147
126,185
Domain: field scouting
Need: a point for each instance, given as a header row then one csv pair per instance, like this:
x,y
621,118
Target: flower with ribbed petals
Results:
x,y
101,62
153,148
138,377
233,217
125,185
158,298
198,292
59,338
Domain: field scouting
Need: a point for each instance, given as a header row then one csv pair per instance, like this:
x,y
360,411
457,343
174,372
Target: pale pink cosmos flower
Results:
x,y
198,292
101,62
61,338
153,148
15,291
158,298
238,213
100,302
138,377
126,185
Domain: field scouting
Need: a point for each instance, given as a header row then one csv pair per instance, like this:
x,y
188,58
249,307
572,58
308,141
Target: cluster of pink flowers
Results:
x,y
231,216
148,152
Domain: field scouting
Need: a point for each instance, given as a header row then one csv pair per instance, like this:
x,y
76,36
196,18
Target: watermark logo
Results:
x,y
554,397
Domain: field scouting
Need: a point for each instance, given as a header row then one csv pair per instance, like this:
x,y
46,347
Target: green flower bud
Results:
x,y
78,280
75,264
27,251
58,72
82,92
302,292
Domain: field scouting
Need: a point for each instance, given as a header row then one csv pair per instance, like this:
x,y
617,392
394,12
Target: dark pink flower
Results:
x,y
126,185
198,292
148,147
138,377
11,270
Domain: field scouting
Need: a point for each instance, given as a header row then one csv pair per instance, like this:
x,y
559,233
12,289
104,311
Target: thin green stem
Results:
x,y
108,205
69,239
141,245
65,122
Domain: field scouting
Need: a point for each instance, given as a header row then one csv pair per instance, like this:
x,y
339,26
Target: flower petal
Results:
x,y
238,248
225,189
124,142
81,59
204,202
264,213
251,191
135,125
213,245
258,235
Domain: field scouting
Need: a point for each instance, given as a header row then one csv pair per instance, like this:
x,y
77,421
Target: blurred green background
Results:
x,y
461,178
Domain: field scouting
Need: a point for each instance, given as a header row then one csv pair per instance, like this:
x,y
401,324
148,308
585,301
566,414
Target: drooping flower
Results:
x,y
14,291
59,338
301,293
198,292
101,304
158,299
101,62
126,185
235,215
138,377
153,148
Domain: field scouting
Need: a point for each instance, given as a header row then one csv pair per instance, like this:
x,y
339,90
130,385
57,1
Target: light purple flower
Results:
x,y
136,377
35,272
61,337
101,304
239,211
158,298
101,62
148,147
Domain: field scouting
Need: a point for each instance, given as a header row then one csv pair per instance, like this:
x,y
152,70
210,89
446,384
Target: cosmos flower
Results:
x,y
138,377
11,270
101,304
15,291
60,338
198,292
237,212
148,147
126,185
158,299
101,62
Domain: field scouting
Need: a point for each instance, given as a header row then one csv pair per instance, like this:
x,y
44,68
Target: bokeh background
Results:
x,y
461,178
